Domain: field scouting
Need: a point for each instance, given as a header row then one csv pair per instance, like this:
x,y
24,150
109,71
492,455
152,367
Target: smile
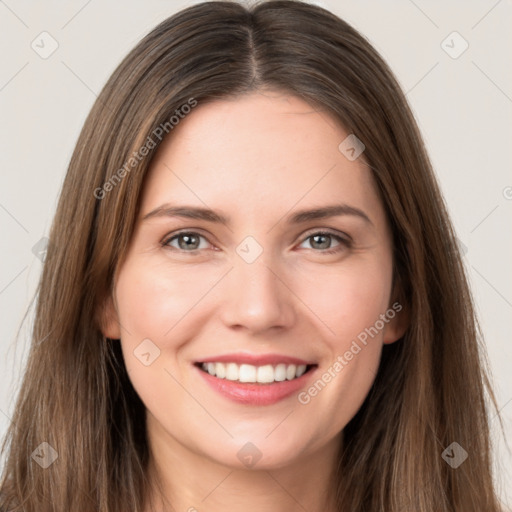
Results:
x,y
252,384
265,374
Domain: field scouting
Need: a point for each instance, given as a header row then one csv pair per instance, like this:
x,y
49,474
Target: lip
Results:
x,y
253,393
255,360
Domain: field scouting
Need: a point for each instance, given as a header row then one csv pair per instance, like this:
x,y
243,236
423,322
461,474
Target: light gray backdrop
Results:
x,y
56,56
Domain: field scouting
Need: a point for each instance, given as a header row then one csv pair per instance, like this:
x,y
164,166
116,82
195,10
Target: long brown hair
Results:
x,y
431,389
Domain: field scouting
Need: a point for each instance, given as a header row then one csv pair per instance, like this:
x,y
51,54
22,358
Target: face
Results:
x,y
299,304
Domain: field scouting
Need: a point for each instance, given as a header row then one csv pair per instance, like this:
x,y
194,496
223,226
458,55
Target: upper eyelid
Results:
x,y
167,238
334,233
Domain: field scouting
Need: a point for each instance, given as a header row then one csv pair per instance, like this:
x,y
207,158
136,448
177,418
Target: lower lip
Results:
x,y
256,394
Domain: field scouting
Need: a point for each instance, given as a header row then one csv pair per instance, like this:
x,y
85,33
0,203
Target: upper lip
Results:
x,y
255,359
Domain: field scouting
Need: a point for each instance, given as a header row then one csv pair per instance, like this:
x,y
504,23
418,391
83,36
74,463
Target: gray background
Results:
x,y
463,106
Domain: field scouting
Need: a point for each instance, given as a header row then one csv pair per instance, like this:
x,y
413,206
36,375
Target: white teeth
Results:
x,y
291,370
232,371
280,372
265,374
301,370
248,373
220,370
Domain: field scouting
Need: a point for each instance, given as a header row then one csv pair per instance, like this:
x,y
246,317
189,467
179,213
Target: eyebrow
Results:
x,y
298,217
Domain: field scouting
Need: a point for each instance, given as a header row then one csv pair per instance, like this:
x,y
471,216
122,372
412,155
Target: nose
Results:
x,y
257,297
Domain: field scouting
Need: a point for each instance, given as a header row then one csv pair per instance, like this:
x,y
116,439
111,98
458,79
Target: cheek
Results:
x,y
152,299
347,300
154,303
162,304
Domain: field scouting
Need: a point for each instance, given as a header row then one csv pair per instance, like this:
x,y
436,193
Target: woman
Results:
x,y
253,294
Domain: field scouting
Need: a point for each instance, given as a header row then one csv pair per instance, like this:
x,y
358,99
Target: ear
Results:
x,y
398,315
398,322
109,319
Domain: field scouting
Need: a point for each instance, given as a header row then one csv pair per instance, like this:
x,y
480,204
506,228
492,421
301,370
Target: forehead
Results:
x,y
268,150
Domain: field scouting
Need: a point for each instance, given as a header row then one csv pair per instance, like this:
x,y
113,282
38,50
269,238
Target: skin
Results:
x,y
257,159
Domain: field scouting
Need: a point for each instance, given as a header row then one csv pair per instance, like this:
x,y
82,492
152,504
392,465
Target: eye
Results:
x,y
322,240
188,241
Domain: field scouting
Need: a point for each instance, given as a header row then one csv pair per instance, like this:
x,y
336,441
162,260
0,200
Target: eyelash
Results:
x,y
344,242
